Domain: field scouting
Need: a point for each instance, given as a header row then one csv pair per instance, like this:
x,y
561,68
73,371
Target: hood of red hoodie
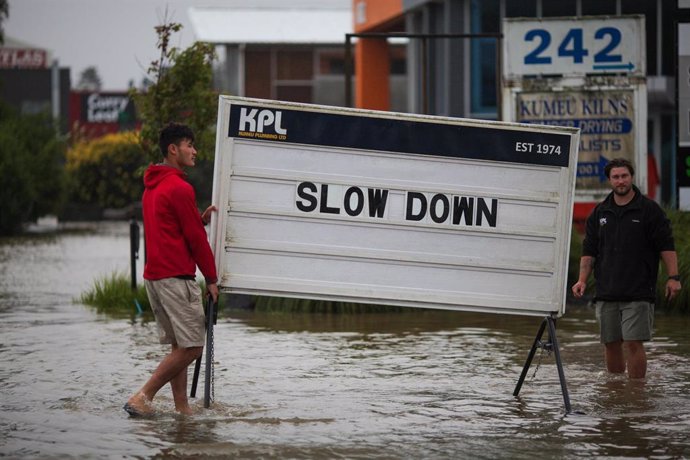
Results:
x,y
155,174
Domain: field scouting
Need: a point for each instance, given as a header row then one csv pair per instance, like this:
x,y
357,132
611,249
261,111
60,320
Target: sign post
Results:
x,y
574,46
587,73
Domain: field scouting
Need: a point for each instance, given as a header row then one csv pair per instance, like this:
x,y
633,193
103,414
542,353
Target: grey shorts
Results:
x,y
625,321
176,304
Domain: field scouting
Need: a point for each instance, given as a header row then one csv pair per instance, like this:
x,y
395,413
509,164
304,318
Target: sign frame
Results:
x,y
574,46
256,168
587,85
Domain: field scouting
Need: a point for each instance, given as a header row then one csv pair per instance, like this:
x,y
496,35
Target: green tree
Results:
x,y
180,91
4,14
31,169
90,80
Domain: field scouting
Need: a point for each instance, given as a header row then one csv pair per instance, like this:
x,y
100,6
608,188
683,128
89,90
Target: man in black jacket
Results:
x,y
625,235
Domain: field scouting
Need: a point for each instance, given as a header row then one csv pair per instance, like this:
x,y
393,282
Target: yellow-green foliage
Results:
x,y
106,171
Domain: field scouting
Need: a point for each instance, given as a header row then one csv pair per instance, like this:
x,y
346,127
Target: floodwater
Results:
x,y
420,384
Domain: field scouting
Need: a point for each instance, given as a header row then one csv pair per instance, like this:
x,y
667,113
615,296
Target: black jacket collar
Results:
x,y
634,203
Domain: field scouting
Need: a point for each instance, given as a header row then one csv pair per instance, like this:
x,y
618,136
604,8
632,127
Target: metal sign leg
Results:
x,y
210,319
559,363
535,345
551,345
195,379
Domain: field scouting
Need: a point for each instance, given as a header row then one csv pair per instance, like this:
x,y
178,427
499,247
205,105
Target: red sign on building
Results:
x,y
95,114
23,58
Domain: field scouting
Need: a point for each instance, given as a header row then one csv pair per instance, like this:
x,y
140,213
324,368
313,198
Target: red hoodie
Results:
x,y
176,242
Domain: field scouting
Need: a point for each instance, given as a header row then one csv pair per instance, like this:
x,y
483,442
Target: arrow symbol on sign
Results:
x,y
629,66
593,168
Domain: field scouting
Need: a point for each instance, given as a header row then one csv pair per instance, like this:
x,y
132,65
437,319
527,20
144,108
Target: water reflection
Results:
x,y
417,384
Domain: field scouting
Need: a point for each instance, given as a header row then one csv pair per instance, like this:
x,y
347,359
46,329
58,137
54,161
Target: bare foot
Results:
x,y
185,410
139,406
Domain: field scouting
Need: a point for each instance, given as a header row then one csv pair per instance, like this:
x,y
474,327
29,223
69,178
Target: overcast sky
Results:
x,y
115,36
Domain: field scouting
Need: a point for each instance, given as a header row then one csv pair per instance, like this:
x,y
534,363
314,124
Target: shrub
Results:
x,y
114,295
31,169
680,222
106,171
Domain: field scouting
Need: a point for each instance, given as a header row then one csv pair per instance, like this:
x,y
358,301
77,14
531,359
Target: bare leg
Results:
x,y
172,366
636,359
613,354
178,384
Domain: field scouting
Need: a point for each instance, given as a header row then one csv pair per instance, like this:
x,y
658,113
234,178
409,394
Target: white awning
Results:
x,y
275,26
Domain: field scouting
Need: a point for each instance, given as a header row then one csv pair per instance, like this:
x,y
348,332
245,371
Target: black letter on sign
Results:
x,y
483,209
324,202
302,193
463,205
411,196
377,202
432,208
360,201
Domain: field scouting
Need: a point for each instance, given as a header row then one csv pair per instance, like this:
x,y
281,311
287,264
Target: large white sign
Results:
x,y
574,46
386,208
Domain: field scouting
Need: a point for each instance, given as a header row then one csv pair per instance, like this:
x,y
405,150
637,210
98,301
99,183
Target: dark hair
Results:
x,y
619,163
174,133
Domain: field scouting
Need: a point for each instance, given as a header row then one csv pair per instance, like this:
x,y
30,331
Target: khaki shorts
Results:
x,y
176,304
625,321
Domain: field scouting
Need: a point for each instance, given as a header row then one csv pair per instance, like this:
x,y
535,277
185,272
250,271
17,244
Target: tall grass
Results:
x,y
113,294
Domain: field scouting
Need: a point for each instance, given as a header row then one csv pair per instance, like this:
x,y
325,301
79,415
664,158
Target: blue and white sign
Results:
x,y
574,46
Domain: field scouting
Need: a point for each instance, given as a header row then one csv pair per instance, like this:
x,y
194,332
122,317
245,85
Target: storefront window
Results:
x,y
483,59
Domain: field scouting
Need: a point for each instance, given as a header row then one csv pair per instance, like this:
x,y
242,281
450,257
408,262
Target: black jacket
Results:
x,y
626,242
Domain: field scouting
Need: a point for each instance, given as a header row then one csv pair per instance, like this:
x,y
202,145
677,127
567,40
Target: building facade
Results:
x,y
32,82
460,76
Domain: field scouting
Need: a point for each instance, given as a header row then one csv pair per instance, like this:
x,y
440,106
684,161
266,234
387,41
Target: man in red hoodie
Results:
x,y
176,244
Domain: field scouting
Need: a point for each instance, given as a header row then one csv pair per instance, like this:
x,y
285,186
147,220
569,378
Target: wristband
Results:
x,y
674,277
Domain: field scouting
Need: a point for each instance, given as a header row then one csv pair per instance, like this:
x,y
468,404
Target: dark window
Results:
x,y
295,65
648,8
398,59
521,9
598,7
669,17
297,93
332,62
551,8
484,19
257,74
